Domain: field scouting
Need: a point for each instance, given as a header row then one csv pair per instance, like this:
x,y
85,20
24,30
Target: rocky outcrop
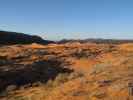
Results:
x,y
9,38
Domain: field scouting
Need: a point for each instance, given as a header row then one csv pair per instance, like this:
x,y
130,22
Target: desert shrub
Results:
x,y
80,54
3,60
20,98
79,93
75,75
99,94
98,68
62,78
11,88
49,83
3,94
36,84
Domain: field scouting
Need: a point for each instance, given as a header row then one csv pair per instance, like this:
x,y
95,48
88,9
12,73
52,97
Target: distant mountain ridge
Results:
x,y
8,38
98,41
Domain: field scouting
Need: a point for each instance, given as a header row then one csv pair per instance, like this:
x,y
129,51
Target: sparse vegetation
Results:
x,y
65,72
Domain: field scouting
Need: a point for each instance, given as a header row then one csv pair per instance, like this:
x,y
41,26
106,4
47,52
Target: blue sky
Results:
x,y
58,19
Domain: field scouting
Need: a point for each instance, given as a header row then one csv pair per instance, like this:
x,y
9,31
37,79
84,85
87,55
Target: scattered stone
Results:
x,y
102,83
